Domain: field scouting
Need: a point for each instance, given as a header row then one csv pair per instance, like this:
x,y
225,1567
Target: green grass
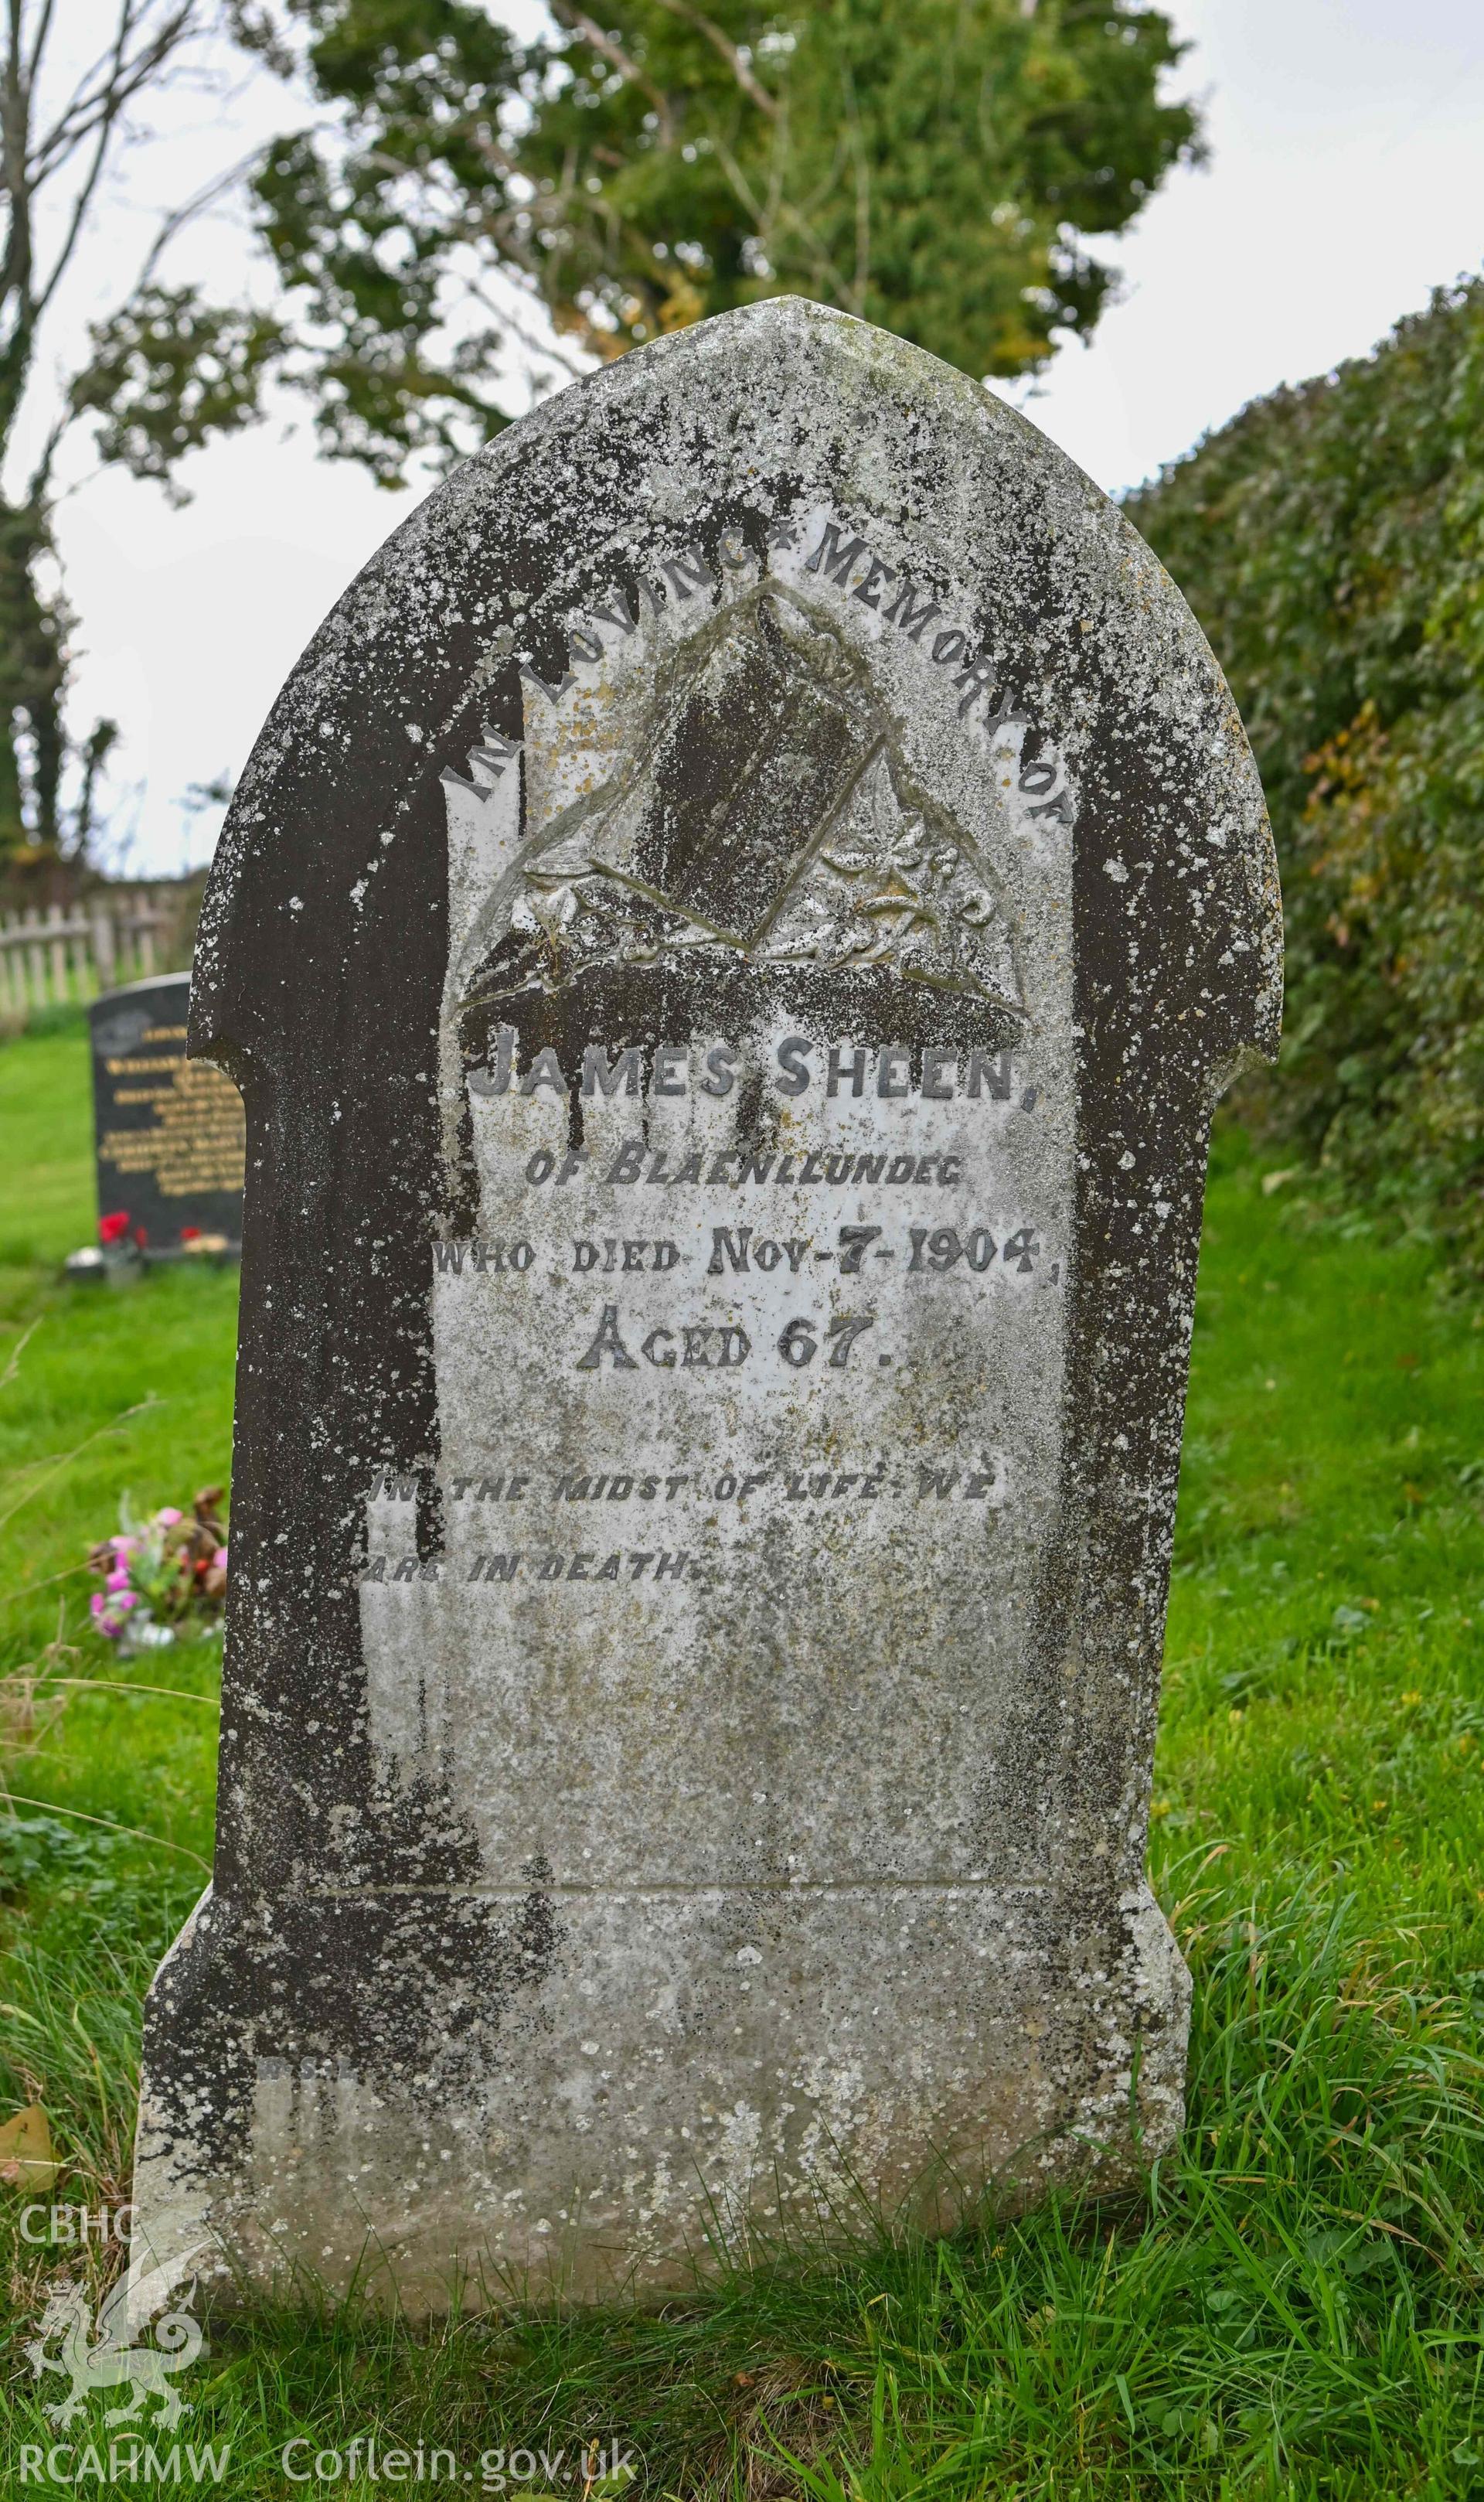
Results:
x,y
1296,2309
45,1137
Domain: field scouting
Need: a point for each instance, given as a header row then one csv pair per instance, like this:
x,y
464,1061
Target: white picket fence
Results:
x,y
68,952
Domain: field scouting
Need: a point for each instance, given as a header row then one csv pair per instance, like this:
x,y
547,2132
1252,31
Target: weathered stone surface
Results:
x,y
729,942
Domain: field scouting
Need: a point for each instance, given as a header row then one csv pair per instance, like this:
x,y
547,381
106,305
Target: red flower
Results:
x,y
113,1228
190,1234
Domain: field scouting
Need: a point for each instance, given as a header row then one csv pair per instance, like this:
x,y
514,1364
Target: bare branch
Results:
x,y
823,269
778,168
862,198
39,42
197,206
504,228
751,86
81,202
115,82
100,96
614,53
38,486
16,276
528,339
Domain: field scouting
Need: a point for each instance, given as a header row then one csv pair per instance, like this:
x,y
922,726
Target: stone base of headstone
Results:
x,y
722,2075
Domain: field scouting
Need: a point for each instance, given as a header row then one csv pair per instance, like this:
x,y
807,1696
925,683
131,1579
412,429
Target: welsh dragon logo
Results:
x,y
102,2357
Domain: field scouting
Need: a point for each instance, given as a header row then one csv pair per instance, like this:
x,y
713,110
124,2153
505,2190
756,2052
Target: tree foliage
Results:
x,y
163,374
937,169
33,675
1331,539
169,372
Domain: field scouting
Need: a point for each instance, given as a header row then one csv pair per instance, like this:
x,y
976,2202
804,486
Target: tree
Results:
x,y
59,138
936,168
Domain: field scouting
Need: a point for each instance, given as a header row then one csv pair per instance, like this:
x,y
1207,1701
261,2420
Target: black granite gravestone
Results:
x,y
169,1132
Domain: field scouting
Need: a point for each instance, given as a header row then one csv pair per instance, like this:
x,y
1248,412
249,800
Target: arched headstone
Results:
x,y
729,940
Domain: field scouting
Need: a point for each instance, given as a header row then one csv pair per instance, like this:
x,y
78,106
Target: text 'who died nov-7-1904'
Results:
x,y
729,942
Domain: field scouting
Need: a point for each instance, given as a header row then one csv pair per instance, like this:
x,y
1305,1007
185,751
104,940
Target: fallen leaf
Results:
x,y
25,2150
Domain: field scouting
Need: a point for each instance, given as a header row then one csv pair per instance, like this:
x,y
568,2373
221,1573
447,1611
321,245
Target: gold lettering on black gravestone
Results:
x,y
171,1137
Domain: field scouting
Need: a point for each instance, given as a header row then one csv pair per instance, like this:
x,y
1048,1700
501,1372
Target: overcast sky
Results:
x,y
1346,181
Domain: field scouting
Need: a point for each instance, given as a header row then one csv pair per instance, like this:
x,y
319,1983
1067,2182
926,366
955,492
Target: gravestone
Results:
x,y
169,1131
729,939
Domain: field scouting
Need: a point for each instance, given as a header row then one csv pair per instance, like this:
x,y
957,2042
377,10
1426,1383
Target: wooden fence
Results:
x,y
70,952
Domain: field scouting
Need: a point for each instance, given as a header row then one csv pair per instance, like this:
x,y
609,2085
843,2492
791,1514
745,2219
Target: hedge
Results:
x,y
1331,540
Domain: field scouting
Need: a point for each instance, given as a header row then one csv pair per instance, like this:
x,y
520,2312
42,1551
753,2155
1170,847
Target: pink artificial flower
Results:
x,y
219,1560
167,1518
119,1578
